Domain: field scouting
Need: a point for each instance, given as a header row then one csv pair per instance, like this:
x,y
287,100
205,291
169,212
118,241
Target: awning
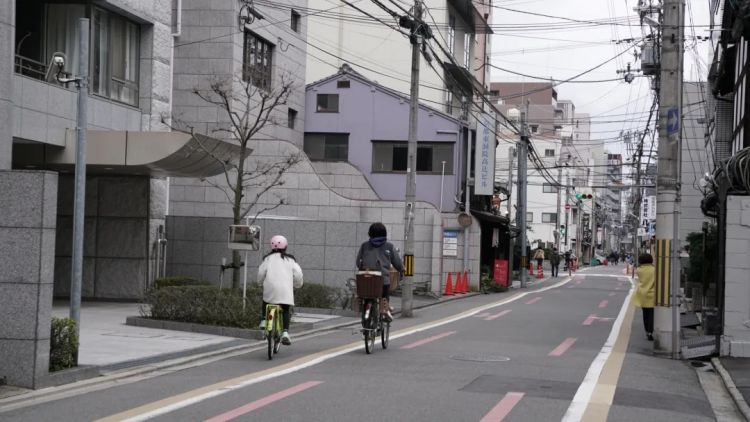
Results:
x,y
161,154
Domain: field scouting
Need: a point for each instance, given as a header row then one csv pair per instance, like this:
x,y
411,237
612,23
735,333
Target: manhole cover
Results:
x,y
480,358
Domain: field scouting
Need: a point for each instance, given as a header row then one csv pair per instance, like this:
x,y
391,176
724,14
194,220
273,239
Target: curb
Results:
x,y
737,397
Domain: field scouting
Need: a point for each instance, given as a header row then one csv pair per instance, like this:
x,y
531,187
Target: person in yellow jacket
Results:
x,y
645,295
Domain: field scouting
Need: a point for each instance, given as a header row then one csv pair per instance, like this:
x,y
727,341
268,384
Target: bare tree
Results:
x,y
247,183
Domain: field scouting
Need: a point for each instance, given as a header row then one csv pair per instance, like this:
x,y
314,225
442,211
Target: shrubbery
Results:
x,y
488,284
63,352
313,295
179,281
202,303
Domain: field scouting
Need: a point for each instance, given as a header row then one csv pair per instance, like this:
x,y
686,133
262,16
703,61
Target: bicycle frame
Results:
x,y
273,319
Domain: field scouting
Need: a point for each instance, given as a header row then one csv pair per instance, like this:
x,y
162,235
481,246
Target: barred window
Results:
x,y
256,67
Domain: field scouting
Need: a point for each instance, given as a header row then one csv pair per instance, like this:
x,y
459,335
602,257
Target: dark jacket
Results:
x,y
554,258
378,254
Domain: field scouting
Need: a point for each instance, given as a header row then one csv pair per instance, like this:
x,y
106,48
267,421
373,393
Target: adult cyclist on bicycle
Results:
x,y
279,274
378,254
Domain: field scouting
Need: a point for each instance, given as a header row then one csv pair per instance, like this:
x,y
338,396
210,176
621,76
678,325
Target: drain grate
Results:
x,y
480,358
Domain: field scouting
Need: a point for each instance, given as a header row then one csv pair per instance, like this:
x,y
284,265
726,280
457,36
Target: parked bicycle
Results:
x,y
369,286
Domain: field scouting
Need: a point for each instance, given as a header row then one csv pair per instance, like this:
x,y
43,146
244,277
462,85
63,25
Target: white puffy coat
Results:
x,y
279,276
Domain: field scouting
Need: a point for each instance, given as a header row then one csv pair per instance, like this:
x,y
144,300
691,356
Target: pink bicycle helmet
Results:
x,y
279,242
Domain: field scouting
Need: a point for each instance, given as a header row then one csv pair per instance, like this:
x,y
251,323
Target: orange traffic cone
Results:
x,y
531,269
540,272
466,282
461,283
449,286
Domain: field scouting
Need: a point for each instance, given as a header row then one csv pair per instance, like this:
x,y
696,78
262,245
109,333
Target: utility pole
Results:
x,y
511,155
594,230
558,236
666,323
567,211
79,202
523,155
411,166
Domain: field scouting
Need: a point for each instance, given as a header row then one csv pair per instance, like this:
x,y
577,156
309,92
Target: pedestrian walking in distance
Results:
x,y
539,256
554,261
645,296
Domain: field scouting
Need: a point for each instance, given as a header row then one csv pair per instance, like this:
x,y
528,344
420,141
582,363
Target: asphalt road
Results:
x,y
521,356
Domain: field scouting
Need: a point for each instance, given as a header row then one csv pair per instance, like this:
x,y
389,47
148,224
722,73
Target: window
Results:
x,y
467,50
534,128
451,34
294,21
291,117
392,156
115,76
327,146
549,152
548,188
343,84
549,217
449,101
529,217
328,103
256,67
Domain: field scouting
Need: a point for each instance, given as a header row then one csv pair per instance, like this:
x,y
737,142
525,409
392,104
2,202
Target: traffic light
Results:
x,y
562,229
580,196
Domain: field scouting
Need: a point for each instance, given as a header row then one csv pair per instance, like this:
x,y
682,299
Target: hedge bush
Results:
x,y
204,305
63,352
313,295
178,281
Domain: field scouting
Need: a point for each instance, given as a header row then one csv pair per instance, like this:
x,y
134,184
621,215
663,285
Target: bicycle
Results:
x,y
369,293
272,331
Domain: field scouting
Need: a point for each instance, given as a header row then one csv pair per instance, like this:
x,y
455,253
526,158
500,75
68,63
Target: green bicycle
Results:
x,y
272,331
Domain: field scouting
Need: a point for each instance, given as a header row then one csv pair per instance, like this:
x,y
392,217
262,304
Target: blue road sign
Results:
x,y
673,121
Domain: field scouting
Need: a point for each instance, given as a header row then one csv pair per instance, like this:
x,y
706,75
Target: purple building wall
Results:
x,y
367,112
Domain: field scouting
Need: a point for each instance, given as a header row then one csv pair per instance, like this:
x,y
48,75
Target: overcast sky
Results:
x,y
570,48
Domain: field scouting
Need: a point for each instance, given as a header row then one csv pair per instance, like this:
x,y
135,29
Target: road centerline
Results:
x,y
503,407
427,340
262,402
563,347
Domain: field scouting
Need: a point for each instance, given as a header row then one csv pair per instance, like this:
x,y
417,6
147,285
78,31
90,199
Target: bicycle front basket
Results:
x,y
369,284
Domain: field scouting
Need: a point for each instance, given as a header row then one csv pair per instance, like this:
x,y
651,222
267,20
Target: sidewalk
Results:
x,y
735,373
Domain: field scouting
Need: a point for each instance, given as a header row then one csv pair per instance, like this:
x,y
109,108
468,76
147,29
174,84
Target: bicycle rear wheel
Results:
x,y
370,324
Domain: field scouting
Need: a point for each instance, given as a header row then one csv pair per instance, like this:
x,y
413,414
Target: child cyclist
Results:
x,y
279,274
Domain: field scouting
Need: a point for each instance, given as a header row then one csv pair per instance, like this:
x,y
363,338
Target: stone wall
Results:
x,y
27,250
736,341
117,236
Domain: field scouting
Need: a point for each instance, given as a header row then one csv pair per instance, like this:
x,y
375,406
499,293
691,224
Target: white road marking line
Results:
x,y
586,389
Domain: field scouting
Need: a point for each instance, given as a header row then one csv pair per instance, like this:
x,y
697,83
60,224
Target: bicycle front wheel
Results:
x,y
273,337
385,333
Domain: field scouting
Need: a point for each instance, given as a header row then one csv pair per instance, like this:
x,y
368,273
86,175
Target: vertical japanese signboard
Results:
x,y
484,156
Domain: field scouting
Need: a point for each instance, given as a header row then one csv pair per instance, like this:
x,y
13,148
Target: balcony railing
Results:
x,y
31,68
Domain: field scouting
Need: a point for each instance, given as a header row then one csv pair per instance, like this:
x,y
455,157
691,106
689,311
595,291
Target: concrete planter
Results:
x,y
244,333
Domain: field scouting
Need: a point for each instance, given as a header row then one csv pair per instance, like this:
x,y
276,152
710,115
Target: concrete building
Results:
x,y
549,125
131,70
694,158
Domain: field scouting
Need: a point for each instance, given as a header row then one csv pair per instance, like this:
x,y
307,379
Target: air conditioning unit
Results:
x,y
649,58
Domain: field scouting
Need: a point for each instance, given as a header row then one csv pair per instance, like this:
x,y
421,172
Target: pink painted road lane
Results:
x,y
612,294
503,407
589,319
603,304
563,347
265,401
498,315
427,340
534,300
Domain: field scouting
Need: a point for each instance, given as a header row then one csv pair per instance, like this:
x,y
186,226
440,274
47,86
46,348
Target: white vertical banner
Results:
x,y
484,156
